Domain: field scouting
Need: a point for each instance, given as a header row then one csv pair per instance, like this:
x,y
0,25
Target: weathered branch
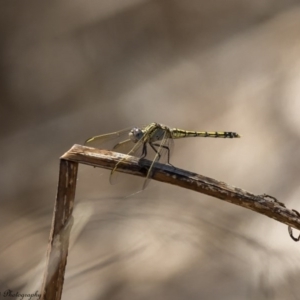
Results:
x,y
262,204
60,231
63,220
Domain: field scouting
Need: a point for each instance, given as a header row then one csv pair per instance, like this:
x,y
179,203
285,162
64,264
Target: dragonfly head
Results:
x,y
136,134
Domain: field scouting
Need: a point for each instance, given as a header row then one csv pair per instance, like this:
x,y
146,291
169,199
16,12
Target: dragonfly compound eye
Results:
x,y
135,134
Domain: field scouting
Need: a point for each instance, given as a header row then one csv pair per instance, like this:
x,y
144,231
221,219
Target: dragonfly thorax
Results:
x,y
158,134
136,134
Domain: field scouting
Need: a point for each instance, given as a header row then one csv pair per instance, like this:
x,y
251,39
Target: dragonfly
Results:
x,y
157,136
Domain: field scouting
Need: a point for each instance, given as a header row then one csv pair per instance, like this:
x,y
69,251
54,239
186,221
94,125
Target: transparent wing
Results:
x,y
121,143
163,153
101,140
136,149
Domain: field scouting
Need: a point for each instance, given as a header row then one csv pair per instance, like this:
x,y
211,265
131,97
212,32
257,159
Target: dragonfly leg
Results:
x,y
144,151
155,150
162,146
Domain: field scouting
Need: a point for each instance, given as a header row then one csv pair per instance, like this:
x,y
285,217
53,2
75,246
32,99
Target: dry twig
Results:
x,y
59,237
263,204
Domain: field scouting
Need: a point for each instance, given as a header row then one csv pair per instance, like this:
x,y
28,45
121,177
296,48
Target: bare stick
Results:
x,y
62,219
263,204
60,231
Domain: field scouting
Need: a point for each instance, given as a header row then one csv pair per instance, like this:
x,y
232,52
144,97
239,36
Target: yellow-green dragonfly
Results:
x,y
159,137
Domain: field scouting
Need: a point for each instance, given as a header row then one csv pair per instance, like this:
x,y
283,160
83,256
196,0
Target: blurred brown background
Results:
x,y
73,69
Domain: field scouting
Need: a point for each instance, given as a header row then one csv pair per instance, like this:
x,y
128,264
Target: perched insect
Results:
x,y
159,137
